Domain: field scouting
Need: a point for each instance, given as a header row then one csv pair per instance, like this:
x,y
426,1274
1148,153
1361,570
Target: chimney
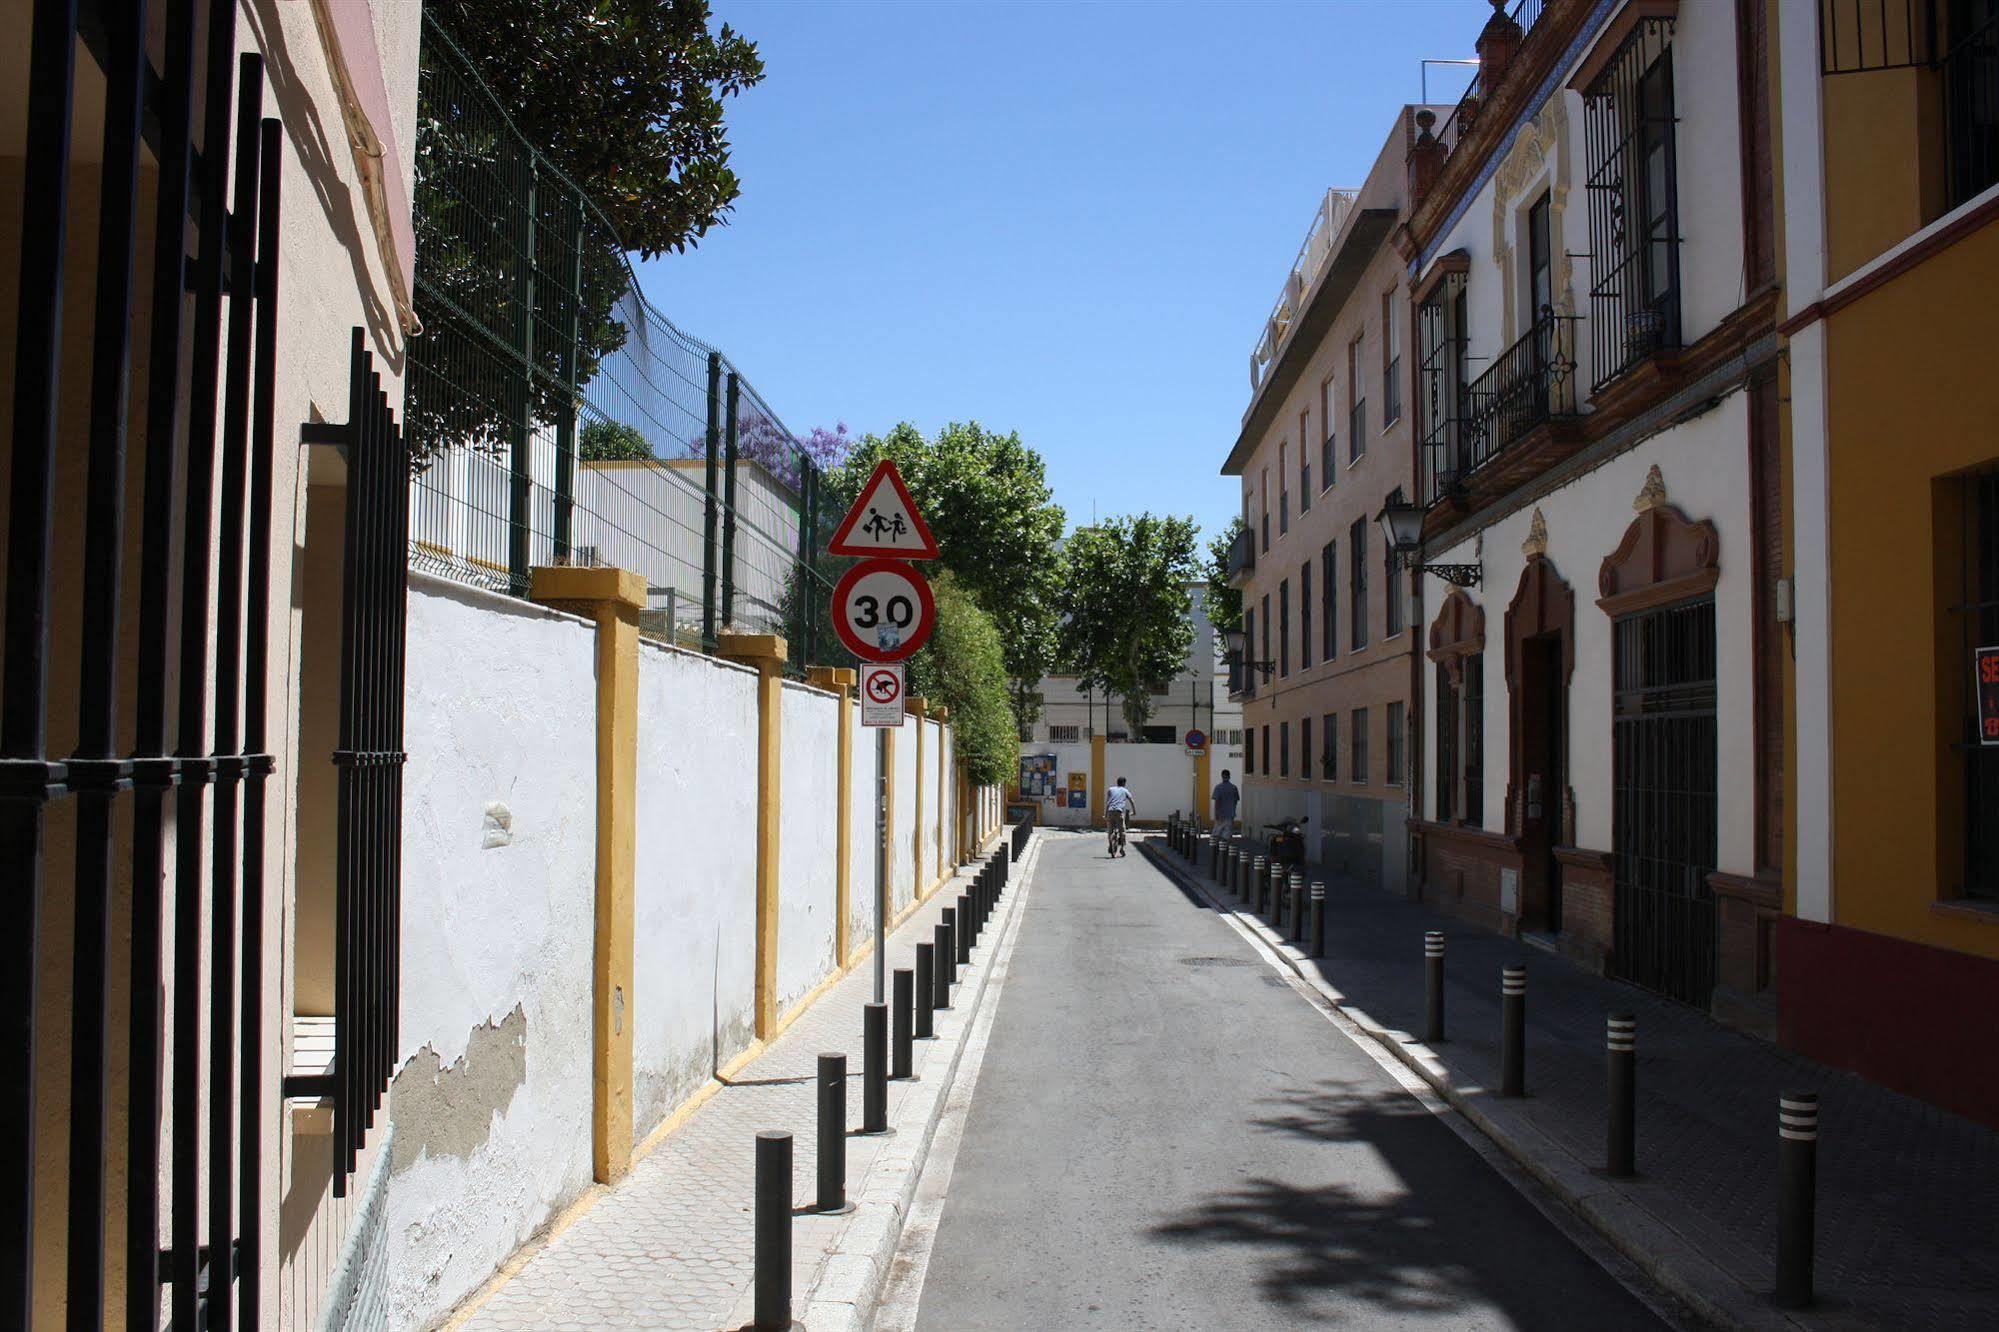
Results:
x,y
1426,158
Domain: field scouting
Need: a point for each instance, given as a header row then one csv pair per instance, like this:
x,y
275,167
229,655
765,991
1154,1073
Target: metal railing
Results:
x,y
1971,111
1464,116
1313,255
1242,554
1528,384
556,417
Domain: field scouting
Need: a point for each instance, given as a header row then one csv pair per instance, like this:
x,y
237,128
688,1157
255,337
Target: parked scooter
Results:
x,y
1287,844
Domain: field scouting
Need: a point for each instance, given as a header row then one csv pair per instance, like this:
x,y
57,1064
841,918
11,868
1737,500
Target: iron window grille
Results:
x,y
1975,617
1329,759
1266,751
1284,749
1305,748
1447,744
1530,383
1329,590
1442,337
1391,364
1360,755
1266,657
1284,628
1395,742
1473,707
1357,592
1632,189
1065,735
1305,616
1970,67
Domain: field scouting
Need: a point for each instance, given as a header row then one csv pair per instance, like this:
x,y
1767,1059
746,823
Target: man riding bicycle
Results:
x,y
1118,809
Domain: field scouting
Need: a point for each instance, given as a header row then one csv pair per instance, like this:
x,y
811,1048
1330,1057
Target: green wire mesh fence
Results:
x,y
556,418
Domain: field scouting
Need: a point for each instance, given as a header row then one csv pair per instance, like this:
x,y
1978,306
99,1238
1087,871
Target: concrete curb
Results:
x,y
857,1268
1715,1296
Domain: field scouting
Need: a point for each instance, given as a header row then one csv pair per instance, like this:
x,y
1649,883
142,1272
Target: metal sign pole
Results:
x,y
881,860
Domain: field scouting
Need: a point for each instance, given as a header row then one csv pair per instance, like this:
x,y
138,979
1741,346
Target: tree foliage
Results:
x,y
612,441
1126,627
986,498
1224,600
963,666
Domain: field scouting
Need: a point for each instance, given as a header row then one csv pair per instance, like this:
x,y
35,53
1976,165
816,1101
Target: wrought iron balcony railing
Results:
x,y
1529,383
1242,554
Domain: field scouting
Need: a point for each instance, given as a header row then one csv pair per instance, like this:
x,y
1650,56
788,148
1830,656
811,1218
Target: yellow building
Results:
x,y
1888,961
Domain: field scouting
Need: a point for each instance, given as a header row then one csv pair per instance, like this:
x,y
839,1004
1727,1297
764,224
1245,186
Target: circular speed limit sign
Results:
x,y
883,610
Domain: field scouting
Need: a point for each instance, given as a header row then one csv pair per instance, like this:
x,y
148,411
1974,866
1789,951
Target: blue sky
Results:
x,y
1066,220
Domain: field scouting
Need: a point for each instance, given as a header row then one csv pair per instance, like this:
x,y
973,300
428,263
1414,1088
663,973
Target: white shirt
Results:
x,y
1118,798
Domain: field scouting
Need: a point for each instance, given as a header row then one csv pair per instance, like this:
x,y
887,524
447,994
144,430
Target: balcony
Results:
x,y
1242,555
1312,258
1529,385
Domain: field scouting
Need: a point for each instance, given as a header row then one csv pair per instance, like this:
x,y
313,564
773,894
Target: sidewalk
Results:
x,y
672,1244
1906,1232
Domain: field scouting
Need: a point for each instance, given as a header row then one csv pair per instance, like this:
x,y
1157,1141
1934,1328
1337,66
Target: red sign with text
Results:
x,y
1985,672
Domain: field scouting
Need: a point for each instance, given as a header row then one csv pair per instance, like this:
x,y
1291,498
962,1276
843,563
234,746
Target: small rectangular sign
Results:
x,y
881,695
1985,674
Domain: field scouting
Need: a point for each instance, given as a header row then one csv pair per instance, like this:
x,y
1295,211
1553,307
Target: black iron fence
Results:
x,y
1529,384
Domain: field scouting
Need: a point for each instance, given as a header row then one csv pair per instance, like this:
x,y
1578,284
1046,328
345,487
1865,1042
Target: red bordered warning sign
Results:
x,y
884,521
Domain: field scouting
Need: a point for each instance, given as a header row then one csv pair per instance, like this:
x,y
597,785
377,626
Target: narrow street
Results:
x,y
1165,1134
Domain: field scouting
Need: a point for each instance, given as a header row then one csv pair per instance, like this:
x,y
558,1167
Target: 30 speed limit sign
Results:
x,y
883,610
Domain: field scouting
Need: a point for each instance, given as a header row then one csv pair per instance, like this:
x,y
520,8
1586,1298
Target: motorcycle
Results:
x,y
1287,844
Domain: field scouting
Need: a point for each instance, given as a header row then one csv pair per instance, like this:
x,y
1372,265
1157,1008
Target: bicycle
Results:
x,y
1117,838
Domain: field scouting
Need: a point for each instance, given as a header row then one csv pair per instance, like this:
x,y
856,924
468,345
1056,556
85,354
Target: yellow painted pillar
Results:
x,y
766,652
841,681
919,708
1201,787
1097,787
613,598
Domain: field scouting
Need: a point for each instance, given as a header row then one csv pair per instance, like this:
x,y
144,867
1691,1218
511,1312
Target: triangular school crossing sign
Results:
x,y
884,521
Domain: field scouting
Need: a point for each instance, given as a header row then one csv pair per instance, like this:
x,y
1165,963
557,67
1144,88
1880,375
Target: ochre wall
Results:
x,y
1912,398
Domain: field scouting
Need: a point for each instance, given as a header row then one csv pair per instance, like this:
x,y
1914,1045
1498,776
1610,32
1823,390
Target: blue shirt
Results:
x,y
1117,798
1226,798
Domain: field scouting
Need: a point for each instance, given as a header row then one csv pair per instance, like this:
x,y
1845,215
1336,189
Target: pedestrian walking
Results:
x,y
1225,798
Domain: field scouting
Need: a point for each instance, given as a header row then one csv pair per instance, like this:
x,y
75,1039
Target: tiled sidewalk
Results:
x,y
1907,1235
672,1244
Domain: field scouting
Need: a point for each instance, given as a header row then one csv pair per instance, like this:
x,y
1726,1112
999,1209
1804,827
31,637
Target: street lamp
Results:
x,y
1402,526
1238,646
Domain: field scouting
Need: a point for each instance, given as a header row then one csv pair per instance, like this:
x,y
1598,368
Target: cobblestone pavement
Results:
x,y
1906,1231
671,1246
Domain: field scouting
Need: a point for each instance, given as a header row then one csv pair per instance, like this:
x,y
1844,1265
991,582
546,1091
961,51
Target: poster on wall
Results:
x,y
1079,799
1986,672
1037,776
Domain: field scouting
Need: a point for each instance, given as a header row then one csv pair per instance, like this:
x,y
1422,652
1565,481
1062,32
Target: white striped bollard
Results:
x,y
1797,1195
1621,1059
1433,986
1513,1031
1318,920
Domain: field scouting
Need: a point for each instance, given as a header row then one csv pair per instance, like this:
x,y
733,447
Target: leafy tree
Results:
x,y
964,667
1126,626
612,441
1224,600
986,498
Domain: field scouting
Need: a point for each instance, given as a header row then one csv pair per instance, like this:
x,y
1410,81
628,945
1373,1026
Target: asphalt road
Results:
x,y
1165,1135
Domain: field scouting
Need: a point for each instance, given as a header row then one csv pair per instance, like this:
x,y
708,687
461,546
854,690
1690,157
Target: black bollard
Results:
x,y
874,1068
968,928
1214,856
948,958
1513,1031
940,955
1621,1061
1797,1195
1318,920
1297,907
904,1023
1433,984
1240,884
926,990
773,1232
833,1133
1259,877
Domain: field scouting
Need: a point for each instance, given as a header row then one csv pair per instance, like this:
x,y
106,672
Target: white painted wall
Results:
x,y
808,841
861,838
1705,467
501,733
695,889
903,878
1056,813
1161,778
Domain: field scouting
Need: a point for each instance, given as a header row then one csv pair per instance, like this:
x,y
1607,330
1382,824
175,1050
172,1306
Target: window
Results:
x,y
1391,362
1970,68
1249,752
1474,745
1446,727
1395,744
1356,403
1305,748
1284,749
1327,452
1392,608
1263,483
1284,628
1065,735
1359,773
1283,489
1266,631
1266,751
1357,577
1633,204
1305,616
1160,735
1329,757
1540,267
1239,669
1974,616
1329,588
1440,401
1305,461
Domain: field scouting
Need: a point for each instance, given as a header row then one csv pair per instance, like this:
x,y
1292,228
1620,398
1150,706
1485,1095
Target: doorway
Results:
x,y
1544,748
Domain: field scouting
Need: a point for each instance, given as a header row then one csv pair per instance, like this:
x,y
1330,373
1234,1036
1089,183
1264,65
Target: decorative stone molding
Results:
x,y
1536,543
1458,632
1664,557
1537,151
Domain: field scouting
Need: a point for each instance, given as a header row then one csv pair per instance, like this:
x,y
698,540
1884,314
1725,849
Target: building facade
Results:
x,y
1590,250
1325,677
1888,962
